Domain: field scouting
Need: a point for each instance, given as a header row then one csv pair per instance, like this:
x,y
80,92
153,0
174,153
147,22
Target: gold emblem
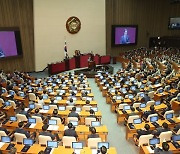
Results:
x,y
73,25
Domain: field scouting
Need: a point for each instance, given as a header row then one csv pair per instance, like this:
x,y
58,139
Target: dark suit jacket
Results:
x,y
22,131
73,114
93,136
47,134
160,151
39,115
143,132
160,130
146,114
4,129
70,132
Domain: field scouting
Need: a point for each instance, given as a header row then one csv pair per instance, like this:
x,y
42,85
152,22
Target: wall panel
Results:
x,y
151,16
19,13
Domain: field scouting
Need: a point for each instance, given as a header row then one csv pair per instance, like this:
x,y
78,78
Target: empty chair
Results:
x,y
38,106
19,137
151,115
149,103
43,139
135,105
121,106
131,118
93,142
57,119
12,103
69,107
38,119
32,97
167,88
67,141
144,139
88,120
72,119
2,133
165,136
21,117
151,94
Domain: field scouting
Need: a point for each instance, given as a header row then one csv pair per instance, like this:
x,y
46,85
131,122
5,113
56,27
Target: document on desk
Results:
x,y
43,111
26,109
78,151
32,125
1,144
53,127
94,151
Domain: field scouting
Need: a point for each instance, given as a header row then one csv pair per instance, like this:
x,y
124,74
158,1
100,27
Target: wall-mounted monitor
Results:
x,y
124,35
174,23
10,42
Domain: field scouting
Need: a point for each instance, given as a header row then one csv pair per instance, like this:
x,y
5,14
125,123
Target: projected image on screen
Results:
x,y
7,44
10,42
125,35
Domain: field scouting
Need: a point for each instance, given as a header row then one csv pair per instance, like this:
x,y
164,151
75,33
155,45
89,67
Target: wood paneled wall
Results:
x,y
151,16
19,13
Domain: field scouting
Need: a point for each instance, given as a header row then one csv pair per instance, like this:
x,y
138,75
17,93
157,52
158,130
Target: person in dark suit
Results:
x,y
93,133
4,129
132,112
22,111
103,150
46,133
125,38
70,131
147,113
164,150
21,130
73,113
92,114
146,131
55,114
36,113
176,128
159,130
168,108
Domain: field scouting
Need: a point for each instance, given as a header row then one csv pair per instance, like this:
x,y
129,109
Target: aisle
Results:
x,y
116,135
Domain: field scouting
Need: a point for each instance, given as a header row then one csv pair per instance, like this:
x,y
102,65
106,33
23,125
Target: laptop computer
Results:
x,y
137,121
130,96
30,121
133,88
100,144
175,140
169,117
118,97
52,122
95,123
50,146
95,109
13,118
21,94
61,108
141,94
126,107
77,146
32,106
7,139
58,98
7,103
46,107
153,142
157,103
142,105
74,123
28,143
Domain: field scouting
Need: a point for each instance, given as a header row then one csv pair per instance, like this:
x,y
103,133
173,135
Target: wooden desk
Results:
x,y
176,105
160,95
145,149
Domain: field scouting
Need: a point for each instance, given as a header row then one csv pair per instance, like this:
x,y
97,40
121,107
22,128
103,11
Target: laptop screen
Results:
x,y
169,116
126,107
58,98
137,121
78,109
45,83
62,108
118,97
89,98
154,119
7,103
3,90
127,82
31,106
46,107
176,138
95,109
52,122
50,90
142,105
130,96
32,120
5,139
40,89
141,95
154,141
77,145
142,86
75,123
13,118
160,90
53,84
178,98
45,96
112,90
95,123
117,84
52,144
157,102
11,92
27,141
168,88
133,88
100,144
21,94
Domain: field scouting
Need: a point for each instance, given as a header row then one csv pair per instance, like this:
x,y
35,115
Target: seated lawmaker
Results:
x,y
93,133
164,150
168,108
46,133
159,130
103,150
36,113
55,114
70,131
70,102
73,113
21,130
147,113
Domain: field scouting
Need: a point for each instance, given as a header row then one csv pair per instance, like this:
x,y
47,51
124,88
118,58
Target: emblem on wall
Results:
x,y
73,25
